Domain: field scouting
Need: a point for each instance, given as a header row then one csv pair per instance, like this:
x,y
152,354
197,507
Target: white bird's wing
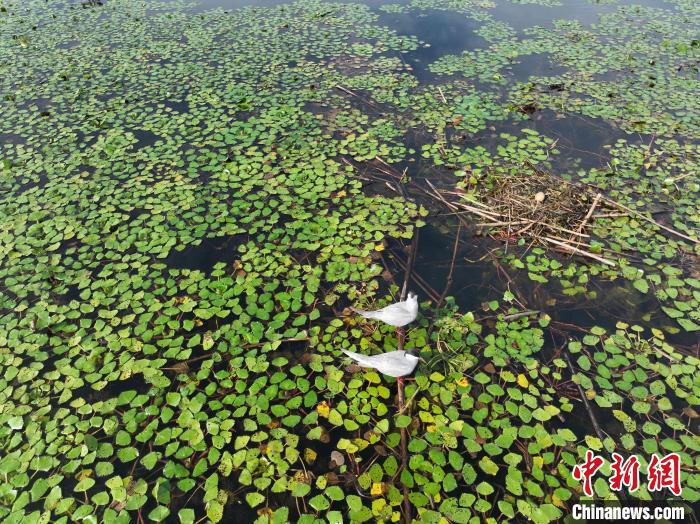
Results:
x,y
398,314
363,360
393,309
394,363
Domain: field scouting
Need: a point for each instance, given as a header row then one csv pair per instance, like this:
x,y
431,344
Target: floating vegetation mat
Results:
x,y
190,197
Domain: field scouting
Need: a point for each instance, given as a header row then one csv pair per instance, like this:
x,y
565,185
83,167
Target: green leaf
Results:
x,y
403,421
688,324
15,423
335,418
186,516
215,511
84,484
488,465
254,499
319,503
159,513
484,488
641,285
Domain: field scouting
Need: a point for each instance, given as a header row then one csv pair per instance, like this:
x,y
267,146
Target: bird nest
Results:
x,y
532,204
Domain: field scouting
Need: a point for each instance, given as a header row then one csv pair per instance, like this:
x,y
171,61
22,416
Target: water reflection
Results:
x,y
204,5
442,32
587,12
537,64
577,136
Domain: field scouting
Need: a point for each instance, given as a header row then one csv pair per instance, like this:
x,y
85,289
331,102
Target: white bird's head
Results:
x,y
413,353
412,302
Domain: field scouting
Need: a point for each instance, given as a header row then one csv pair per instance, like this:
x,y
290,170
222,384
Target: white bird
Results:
x,y
394,363
397,315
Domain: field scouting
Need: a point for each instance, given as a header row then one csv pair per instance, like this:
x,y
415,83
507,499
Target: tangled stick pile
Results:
x,y
533,204
536,204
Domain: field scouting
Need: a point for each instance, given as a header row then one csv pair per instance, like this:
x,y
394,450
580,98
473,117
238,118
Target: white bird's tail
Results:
x,y
366,314
360,359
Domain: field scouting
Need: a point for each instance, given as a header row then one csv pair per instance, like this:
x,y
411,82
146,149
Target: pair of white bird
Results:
x,y
394,363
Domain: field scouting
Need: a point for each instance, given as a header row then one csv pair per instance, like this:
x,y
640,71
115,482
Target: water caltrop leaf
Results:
x,y
319,503
641,285
186,516
522,381
488,465
254,499
215,511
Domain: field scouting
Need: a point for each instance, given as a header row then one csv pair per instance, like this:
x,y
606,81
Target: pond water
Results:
x,y
193,194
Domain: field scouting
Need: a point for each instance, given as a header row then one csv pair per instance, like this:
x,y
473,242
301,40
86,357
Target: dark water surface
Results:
x,y
442,32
